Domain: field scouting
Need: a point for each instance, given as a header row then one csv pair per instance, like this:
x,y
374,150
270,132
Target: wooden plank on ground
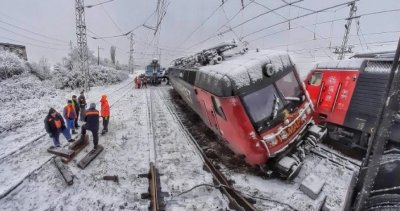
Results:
x,y
89,157
64,171
63,152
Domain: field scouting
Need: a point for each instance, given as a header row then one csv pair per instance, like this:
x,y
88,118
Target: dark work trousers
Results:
x,y
95,134
105,123
76,123
82,115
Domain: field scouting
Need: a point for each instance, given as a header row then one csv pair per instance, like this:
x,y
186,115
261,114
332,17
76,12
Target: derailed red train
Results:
x,y
255,101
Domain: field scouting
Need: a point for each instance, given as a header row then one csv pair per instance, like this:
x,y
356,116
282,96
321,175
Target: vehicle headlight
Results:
x,y
270,140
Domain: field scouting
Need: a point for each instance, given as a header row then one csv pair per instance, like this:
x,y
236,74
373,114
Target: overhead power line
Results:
x,y
262,14
128,32
38,34
100,3
231,28
109,16
35,45
31,38
320,23
106,41
202,23
298,17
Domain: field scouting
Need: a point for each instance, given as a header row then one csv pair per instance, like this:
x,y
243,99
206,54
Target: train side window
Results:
x,y
217,107
316,79
191,77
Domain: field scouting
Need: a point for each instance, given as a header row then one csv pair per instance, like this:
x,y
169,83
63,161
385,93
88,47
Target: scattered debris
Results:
x,y
111,178
90,156
64,171
312,186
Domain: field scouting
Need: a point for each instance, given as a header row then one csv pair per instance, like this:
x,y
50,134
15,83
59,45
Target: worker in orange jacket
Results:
x,y
105,113
70,116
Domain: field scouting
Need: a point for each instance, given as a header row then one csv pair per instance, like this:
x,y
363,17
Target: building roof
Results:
x,y
11,45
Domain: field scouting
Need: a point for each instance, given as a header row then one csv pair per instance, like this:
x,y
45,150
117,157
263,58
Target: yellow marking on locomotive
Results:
x,y
294,127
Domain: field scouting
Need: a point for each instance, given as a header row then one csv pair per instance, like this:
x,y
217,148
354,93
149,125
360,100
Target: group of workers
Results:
x,y
76,110
140,82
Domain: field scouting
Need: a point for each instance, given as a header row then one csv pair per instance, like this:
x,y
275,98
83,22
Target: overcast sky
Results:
x,y
307,42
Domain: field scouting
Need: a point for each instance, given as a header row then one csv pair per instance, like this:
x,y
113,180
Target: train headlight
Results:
x,y
308,110
286,121
270,140
303,117
284,135
268,70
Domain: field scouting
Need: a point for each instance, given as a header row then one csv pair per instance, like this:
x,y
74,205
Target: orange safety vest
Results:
x,y
69,110
57,123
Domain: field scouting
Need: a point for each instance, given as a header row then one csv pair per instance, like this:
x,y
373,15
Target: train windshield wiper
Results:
x,y
275,108
292,98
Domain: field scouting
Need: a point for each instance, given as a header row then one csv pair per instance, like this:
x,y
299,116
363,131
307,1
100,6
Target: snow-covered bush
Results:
x,y
99,75
10,65
42,72
65,78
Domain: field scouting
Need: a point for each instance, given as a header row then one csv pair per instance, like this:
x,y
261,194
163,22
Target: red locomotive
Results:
x,y
254,100
347,95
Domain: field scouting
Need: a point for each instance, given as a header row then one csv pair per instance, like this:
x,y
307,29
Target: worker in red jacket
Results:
x,y
105,113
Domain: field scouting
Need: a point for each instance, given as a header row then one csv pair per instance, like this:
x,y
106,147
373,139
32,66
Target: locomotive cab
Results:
x,y
255,102
347,95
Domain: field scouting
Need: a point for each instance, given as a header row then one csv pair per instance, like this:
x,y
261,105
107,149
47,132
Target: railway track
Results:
x,y
336,158
236,200
34,155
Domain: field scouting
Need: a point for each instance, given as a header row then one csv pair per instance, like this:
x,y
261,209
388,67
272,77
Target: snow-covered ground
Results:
x,y
35,183
142,130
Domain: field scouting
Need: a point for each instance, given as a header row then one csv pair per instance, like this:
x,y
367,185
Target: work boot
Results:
x,y
94,149
74,132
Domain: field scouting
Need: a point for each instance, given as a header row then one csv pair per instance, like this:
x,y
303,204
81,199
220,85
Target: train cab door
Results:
x,y
331,88
210,114
207,107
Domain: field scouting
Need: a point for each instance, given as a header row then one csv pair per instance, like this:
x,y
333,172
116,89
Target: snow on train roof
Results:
x,y
244,69
341,64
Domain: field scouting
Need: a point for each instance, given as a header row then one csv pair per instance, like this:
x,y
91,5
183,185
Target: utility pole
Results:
x,y
343,48
98,54
131,54
82,41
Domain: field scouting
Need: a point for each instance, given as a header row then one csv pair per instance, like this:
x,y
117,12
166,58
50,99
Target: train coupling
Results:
x,y
289,165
